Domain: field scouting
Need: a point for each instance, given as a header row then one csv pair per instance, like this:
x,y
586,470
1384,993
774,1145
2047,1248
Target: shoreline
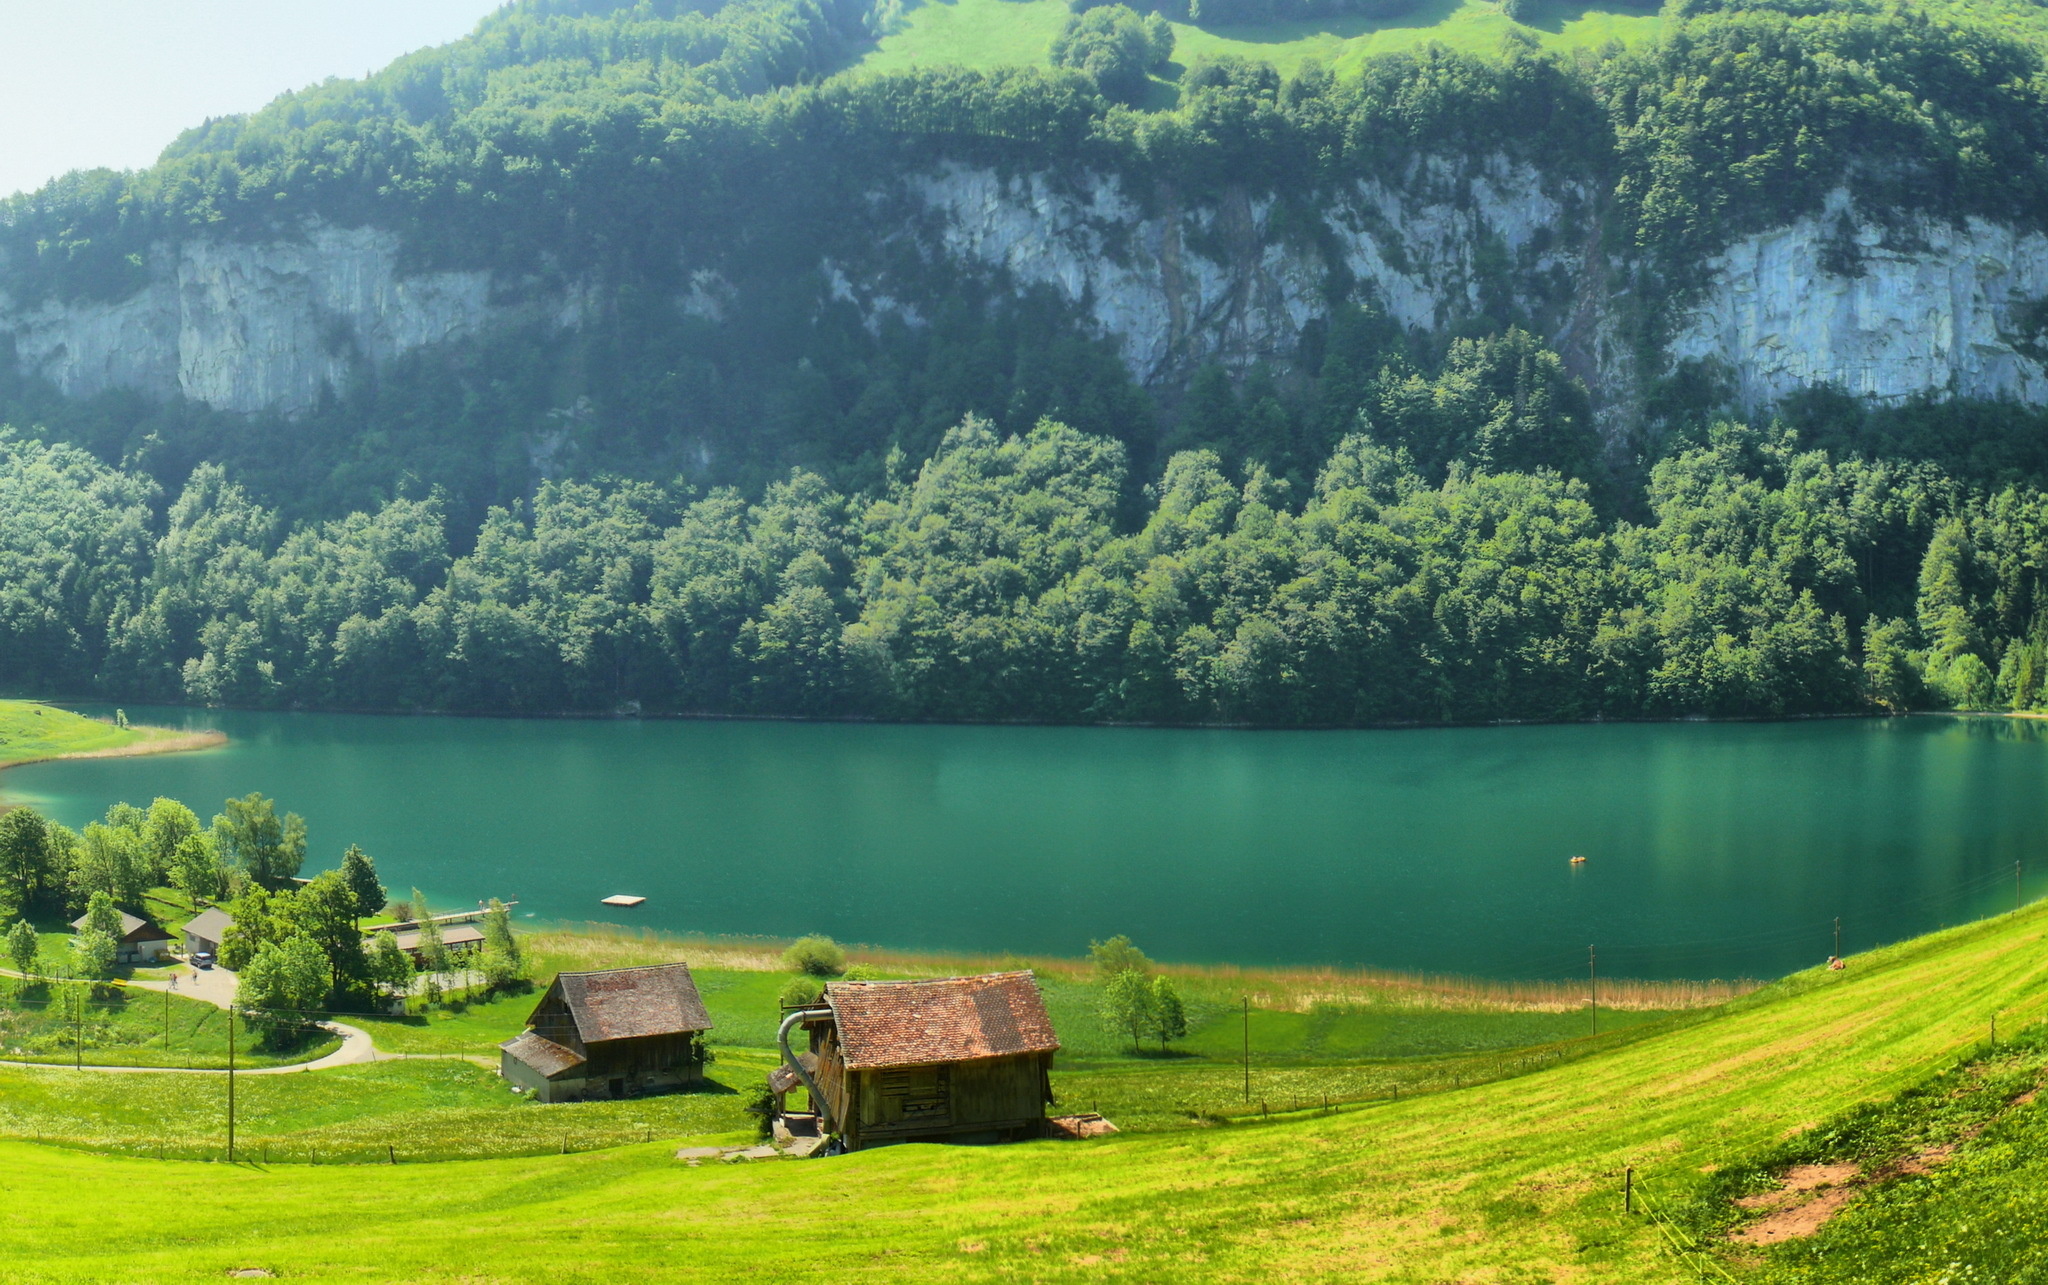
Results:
x,y
172,742
1295,988
151,740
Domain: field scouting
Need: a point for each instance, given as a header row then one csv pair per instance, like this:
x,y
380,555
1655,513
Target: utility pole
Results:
x,y
77,1029
231,1085
1593,980
1838,936
1247,1050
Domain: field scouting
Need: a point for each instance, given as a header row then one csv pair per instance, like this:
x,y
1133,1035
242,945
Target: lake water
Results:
x,y
1713,850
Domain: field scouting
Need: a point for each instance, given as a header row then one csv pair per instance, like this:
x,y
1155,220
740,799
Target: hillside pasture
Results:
x,y
1517,1179
986,34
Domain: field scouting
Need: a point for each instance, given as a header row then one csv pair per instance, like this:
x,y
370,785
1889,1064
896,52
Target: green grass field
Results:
x,y
30,730
122,1027
417,1110
1515,1180
1000,33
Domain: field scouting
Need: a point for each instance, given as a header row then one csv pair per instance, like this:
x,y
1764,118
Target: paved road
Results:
x,y
217,987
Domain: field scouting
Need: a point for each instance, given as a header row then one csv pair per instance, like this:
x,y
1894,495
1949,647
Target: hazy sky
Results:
x,y
85,83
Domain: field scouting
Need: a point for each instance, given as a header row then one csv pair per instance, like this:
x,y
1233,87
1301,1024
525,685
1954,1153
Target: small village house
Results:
x,y
206,929
960,1059
140,942
456,939
617,1033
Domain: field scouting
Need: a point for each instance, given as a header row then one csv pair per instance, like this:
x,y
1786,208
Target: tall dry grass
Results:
x,y
597,945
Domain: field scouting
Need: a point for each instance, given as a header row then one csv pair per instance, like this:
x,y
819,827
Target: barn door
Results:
x,y
917,1095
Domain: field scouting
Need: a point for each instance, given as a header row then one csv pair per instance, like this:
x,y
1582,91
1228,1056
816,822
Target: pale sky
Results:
x,y
89,83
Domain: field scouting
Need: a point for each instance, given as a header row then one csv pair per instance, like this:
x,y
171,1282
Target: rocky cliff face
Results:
x,y
247,328
1882,313
1237,281
1887,314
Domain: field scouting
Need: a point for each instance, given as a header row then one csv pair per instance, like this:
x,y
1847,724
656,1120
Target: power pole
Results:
x,y
1247,1050
77,1028
1838,936
231,1085
1593,979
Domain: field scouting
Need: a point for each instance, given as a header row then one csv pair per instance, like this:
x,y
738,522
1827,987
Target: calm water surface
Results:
x,y
1713,850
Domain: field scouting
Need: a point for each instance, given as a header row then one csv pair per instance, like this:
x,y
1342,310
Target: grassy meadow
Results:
x,y
122,1026
985,34
31,731
1513,1180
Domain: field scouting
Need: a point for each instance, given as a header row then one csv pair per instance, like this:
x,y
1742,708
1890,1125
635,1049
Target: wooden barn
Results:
x,y
618,1033
961,1059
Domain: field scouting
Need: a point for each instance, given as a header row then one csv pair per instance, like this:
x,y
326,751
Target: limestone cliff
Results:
x,y
244,327
1881,311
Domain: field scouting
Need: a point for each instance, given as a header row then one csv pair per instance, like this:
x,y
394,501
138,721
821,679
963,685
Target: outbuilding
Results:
x,y
140,941
456,939
957,1059
206,930
617,1033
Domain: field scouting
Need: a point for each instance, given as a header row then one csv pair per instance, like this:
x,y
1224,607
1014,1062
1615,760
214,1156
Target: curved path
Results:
x,y
216,986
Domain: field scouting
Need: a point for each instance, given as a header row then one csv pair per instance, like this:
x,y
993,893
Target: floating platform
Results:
x,y
623,901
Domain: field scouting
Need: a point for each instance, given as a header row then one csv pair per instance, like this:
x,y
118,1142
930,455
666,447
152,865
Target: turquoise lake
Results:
x,y
1713,849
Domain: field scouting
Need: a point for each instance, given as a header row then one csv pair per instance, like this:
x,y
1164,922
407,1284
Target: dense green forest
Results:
x,y
1001,580
796,511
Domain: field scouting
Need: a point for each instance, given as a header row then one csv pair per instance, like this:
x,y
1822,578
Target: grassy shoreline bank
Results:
x,y
36,732
605,945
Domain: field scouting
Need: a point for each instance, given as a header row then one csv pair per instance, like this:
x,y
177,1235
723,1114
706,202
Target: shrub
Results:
x,y
1115,47
1117,955
800,991
816,956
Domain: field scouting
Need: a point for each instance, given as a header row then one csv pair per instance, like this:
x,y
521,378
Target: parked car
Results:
x,y
202,959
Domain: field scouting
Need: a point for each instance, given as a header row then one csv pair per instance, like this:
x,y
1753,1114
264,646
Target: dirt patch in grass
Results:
x,y
1801,1219
1809,1195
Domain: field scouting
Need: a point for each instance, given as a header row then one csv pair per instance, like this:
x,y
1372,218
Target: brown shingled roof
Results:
x,y
542,1054
626,1003
956,1019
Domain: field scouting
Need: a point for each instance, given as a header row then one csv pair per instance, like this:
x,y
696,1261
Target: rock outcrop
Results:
x,y
1881,313
1944,309
253,327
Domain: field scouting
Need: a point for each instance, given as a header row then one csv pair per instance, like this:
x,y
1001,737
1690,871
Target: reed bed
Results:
x,y
599,945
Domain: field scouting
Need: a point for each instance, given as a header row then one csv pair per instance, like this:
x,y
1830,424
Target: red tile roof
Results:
x,y
627,1003
957,1019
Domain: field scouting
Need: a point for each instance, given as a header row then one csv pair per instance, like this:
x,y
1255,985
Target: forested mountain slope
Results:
x,y
1389,394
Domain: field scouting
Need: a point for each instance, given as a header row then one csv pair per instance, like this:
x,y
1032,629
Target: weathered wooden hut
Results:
x,y
617,1033
961,1059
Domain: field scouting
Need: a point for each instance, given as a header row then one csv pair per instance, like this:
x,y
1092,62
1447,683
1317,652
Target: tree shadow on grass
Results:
x,y
1552,16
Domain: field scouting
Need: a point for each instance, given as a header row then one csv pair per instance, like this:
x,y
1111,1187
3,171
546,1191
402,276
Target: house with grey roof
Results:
x,y
139,941
617,1033
206,929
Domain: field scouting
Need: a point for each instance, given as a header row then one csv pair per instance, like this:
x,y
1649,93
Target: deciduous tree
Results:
x,y
250,834
284,982
1169,1015
24,856
1126,1005
360,874
23,947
